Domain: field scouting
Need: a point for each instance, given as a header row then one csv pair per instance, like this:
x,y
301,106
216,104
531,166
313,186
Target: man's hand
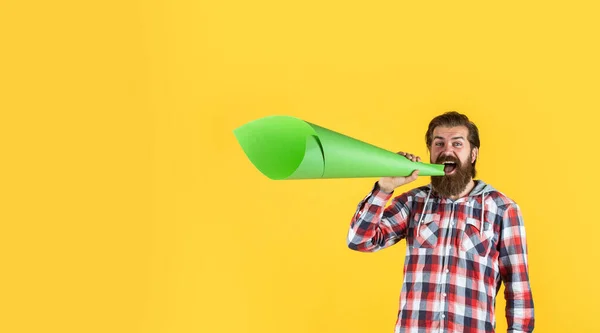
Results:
x,y
389,184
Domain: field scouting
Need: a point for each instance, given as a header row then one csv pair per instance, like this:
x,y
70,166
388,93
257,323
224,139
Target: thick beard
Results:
x,y
452,185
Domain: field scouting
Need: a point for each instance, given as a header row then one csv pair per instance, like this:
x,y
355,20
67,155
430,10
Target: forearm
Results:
x,y
373,227
519,307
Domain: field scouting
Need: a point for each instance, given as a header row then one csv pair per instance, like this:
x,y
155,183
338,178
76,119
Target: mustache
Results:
x,y
447,158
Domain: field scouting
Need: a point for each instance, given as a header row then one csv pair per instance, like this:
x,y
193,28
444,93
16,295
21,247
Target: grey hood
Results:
x,y
481,188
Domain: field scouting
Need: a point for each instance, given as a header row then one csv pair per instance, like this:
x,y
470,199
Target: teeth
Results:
x,y
448,162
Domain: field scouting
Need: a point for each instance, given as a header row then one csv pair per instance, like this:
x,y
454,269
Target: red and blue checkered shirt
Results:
x,y
457,255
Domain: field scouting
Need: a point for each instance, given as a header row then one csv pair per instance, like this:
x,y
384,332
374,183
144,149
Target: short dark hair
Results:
x,y
453,119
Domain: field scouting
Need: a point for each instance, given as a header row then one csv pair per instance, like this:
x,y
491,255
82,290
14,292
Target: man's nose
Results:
x,y
448,149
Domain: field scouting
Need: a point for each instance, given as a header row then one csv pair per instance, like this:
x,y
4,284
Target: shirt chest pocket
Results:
x,y
426,232
476,240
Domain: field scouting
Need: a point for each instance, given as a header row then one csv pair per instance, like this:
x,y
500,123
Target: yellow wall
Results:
x,y
127,205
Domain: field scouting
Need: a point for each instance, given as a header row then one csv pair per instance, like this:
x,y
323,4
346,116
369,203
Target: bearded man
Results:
x,y
464,239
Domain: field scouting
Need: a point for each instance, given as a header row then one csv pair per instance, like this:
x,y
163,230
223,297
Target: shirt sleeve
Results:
x,y
374,227
514,271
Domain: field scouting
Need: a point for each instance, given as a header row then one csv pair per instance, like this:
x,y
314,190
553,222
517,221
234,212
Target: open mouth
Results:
x,y
449,167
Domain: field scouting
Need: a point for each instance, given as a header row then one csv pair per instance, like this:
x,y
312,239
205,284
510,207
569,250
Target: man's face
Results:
x,y
450,146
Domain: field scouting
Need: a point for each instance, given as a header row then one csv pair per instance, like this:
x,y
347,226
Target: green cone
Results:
x,y
284,147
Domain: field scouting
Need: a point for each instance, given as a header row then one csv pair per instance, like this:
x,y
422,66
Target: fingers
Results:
x,y
411,157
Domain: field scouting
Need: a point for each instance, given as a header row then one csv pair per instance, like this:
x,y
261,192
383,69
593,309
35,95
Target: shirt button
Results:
x,y
444,294
443,315
447,270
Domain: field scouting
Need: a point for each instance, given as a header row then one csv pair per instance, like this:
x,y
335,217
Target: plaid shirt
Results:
x,y
453,267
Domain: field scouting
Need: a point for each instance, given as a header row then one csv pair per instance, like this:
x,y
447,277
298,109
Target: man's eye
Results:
x,y
457,144
438,144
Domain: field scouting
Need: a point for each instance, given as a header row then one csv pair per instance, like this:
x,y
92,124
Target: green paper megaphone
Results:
x,y
285,147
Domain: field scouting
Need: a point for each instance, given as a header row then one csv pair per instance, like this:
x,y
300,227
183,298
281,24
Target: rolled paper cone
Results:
x,y
285,147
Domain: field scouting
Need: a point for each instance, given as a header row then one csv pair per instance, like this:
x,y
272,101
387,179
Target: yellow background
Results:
x,y
127,205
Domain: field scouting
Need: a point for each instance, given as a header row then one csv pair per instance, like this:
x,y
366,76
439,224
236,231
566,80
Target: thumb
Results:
x,y
414,175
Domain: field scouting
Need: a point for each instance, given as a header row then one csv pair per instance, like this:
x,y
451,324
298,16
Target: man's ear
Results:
x,y
474,154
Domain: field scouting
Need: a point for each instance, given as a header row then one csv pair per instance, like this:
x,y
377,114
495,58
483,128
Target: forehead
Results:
x,y
448,133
